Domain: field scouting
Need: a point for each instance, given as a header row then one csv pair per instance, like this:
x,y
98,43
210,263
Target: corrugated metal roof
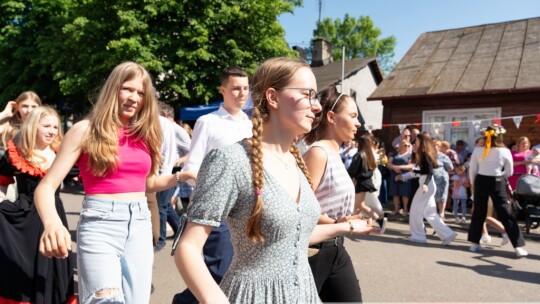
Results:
x,y
331,73
486,58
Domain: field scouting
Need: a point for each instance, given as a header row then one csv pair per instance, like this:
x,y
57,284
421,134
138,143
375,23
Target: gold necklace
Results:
x,y
285,163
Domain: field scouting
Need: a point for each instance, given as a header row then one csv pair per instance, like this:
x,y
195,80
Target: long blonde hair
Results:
x,y
12,126
273,73
26,143
101,143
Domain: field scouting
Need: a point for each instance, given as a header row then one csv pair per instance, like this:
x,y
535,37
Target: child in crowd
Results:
x,y
532,168
459,193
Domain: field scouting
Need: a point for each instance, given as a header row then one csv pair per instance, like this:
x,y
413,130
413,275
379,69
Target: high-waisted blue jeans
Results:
x,y
114,251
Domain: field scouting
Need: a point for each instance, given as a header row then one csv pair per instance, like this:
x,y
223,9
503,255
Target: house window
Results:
x,y
455,124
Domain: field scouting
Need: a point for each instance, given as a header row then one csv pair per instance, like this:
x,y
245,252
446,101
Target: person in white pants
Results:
x,y
423,204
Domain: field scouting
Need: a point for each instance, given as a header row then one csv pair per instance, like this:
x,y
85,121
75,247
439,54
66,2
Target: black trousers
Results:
x,y
334,273
493,187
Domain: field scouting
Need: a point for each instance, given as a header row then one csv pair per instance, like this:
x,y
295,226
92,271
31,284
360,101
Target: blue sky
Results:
x,y
406,19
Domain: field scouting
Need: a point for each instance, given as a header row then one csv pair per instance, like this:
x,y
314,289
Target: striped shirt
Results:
x,y
336,189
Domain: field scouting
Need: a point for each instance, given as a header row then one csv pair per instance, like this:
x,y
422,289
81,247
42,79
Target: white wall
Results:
x,y
363,83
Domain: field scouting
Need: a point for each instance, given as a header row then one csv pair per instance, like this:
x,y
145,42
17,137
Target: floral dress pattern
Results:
x,y
276,271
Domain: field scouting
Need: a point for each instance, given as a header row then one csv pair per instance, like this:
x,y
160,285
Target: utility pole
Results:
x,y
320,9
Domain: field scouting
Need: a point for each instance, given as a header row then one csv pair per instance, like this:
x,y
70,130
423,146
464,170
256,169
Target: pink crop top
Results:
x,y
133,167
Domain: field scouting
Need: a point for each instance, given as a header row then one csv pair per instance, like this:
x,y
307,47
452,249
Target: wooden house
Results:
x,y
454,82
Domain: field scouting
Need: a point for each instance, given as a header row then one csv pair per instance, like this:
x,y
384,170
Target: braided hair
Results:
x,y
273,73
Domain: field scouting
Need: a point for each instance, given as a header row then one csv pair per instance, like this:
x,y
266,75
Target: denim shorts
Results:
x,y
114,250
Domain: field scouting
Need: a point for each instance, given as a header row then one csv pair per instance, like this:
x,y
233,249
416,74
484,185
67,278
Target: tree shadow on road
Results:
x,y
498,270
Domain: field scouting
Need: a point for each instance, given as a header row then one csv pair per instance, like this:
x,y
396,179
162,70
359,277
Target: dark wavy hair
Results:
x,y
331,100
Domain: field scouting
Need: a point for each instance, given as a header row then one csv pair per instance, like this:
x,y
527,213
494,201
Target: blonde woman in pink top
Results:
x,y
520,159
117,150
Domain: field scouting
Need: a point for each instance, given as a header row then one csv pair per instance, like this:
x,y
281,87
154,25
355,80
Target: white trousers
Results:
x,y
423,206
372,198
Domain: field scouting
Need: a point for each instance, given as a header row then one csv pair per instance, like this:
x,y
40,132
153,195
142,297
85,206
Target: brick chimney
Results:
x,y
322,53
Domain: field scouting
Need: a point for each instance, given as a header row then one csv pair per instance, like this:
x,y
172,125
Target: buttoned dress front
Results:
x,y
277,270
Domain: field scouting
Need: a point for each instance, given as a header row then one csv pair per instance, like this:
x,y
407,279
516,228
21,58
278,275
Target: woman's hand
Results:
x,y
349,217
9,110
363,227
424,188
55,241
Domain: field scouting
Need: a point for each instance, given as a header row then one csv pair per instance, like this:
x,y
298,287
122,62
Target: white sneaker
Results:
x,y
457,220
475,248
486,239
382,224
449,239
520,252
505,239
464,220
414,240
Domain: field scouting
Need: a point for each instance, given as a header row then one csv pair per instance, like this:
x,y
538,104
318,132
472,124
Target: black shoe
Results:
x,y
382,224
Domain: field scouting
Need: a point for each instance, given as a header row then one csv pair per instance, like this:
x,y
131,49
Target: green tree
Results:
x,y
25,25
64,49
360,37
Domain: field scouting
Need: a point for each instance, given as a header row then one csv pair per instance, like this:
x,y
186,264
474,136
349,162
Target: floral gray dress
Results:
x,y
276,271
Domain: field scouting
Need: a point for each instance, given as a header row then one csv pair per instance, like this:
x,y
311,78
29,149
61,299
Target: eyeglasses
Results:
x,y
311,95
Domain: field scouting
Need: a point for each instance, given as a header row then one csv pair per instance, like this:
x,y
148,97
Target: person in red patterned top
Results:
x,y
27,276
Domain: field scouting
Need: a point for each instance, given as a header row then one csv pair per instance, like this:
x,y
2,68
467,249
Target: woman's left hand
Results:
x,y
349,217
424,188
363,227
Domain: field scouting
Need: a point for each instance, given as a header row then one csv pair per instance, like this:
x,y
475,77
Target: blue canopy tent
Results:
x,y
193,113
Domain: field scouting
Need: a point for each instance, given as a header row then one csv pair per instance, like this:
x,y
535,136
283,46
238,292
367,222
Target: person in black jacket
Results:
x,y
361,171
423,204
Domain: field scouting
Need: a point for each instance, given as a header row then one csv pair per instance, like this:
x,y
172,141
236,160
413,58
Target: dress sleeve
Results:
x,y
6,171
198,147
508,163
448,166
216,190
473,166
429,171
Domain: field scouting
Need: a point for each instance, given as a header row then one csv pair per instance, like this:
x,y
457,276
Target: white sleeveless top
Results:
x,y
335,192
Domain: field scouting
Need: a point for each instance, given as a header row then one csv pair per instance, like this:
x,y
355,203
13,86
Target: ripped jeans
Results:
x,y
114,251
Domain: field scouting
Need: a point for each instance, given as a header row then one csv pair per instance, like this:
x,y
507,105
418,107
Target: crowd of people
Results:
x,y
257,193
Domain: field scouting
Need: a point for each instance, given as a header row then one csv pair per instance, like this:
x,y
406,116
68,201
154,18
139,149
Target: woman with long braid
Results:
x,y
261,186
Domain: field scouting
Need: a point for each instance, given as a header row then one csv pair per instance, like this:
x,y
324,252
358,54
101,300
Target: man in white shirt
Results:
x,y
220,128
170,155
183,141
175,145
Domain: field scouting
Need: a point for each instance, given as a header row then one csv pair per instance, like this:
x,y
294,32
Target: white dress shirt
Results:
x,y
183,141
168,147
498,162
215,130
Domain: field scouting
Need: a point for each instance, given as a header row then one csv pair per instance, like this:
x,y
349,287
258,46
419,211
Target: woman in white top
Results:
x,y
332,267
488,172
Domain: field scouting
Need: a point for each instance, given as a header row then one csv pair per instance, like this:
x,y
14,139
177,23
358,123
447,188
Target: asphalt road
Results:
x,y
391,269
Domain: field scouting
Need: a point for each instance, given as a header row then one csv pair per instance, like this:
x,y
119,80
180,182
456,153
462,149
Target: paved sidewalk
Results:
x,y
391,269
